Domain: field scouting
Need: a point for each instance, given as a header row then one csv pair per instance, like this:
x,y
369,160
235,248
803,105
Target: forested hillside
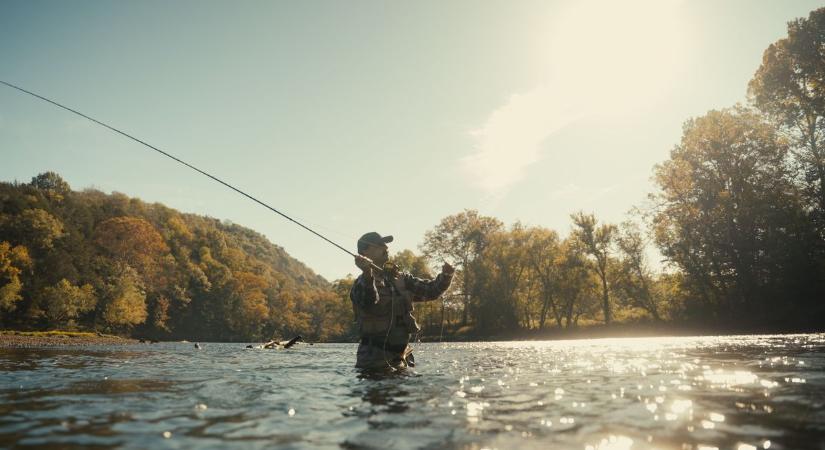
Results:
x,y
90,260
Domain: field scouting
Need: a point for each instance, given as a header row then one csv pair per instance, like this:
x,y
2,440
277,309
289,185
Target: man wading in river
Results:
x,y
383,305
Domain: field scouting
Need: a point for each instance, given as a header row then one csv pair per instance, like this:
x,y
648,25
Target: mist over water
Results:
x,y
740,392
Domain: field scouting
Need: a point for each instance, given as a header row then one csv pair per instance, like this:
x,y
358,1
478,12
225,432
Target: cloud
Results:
x,y
608,59
512,136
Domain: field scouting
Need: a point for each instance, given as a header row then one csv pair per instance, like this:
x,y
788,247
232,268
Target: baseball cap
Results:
x,y
372,238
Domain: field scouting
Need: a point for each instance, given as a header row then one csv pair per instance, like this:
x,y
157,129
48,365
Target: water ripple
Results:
x,y
736,392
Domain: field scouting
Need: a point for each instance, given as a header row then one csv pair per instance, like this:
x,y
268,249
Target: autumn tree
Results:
x,y
331,318
64,302
35,228
134,241
342,288
13,261
125,304
247,304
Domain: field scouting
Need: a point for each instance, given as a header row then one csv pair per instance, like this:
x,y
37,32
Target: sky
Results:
x,y
372,115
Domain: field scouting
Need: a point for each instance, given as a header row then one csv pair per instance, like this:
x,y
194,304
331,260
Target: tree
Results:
x,y
543,255
728,213
247,308
37,229
136,242
13,261
65,302
52,185
331,319
635,280
577,284
499,282
342,288
789,86
416,265
429,314
160,313
596,241
460,238
126,300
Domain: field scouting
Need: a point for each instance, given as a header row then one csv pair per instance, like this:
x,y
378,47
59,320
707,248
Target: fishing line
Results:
x,y
187,165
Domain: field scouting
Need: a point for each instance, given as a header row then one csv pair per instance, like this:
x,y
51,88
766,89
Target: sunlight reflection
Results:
x,y
680,406
727,379
612,443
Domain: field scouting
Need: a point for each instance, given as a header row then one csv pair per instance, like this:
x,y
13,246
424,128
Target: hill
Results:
x,y
90,260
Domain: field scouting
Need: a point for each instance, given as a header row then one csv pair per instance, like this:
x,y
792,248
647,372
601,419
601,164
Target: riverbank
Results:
x,y
25,339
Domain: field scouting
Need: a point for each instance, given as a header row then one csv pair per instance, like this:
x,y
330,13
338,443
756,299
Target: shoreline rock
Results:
x,y
59,339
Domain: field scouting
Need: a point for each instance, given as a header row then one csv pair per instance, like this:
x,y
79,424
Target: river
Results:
x,y
730,392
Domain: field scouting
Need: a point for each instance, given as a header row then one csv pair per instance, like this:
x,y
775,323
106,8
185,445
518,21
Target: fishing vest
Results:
x,y
394,308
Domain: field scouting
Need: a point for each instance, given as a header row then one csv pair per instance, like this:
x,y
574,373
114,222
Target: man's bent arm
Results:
x,y
424,290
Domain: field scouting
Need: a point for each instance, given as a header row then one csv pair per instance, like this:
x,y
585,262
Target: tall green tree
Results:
x,y
578,284
52,185
499,280
789,86
430,315
635,280
416,265
597,241
728,213
543,257
460,239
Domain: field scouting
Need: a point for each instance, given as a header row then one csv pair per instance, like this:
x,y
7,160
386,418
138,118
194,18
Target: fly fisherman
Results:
x,y
383,305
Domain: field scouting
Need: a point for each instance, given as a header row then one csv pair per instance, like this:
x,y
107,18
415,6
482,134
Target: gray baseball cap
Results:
x,y
372,238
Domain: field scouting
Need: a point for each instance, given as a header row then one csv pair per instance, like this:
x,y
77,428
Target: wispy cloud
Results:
x,y
511,139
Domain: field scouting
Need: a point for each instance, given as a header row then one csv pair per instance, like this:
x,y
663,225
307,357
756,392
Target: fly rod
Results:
x,y
146,144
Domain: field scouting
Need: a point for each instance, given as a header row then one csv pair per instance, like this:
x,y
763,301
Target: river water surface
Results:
x,y
737,392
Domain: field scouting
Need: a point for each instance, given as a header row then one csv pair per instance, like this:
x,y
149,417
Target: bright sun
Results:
x,y
618,55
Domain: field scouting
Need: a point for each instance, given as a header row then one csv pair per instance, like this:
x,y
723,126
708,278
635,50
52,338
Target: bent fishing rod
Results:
x,y
146,144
